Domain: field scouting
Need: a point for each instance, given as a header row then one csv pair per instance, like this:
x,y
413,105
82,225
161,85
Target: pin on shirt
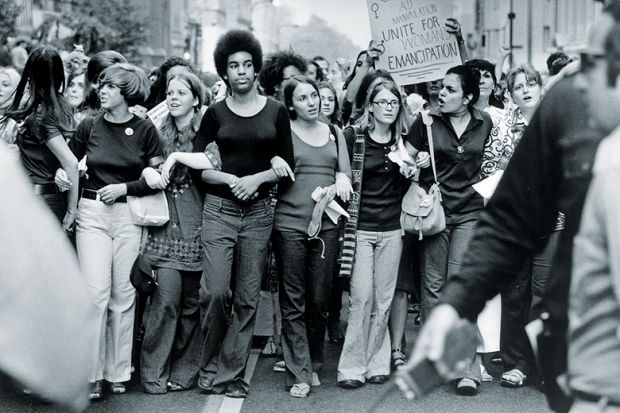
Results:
x,y
128,131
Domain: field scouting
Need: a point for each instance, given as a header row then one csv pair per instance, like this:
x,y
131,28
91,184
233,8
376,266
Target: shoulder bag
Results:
x,y
422,212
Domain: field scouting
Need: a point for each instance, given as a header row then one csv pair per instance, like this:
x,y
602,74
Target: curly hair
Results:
x,y
234,41
272,74
157,93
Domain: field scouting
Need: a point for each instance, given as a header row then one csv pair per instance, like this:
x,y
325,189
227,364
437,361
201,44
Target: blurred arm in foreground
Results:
x,y
46,313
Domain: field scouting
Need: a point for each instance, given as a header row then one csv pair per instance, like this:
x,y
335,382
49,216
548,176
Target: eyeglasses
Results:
x,y
382,103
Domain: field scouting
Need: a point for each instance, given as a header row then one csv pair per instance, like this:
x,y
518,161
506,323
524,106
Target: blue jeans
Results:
x,y
305,286
366,348
235,239
171,341
441,256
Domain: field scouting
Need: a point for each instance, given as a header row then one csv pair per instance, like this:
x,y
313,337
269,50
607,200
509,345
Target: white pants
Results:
x,y
366,349
582,406
108,244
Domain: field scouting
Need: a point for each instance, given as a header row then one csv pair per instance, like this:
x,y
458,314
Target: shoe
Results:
x,y
513,378
315,379
96,393
172,386
467,387
398,359
279,366
118,388
486,377
235,390
350,384
300,390
205,385
413,308
379,379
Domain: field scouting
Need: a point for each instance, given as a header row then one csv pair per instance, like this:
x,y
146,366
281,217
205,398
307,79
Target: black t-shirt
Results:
x,y
383,186
117,152
246,144
458,162
38,160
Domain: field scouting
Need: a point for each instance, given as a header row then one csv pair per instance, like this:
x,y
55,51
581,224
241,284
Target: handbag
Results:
x,y
149,210
142,276
422,212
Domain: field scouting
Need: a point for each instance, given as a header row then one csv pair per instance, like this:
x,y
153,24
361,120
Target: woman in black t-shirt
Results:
x,y
118,146
46,124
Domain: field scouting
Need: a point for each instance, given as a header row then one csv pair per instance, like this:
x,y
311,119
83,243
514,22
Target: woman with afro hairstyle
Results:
x,y
278,68
253,134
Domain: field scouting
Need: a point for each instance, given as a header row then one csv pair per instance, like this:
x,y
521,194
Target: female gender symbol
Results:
x,y
374,7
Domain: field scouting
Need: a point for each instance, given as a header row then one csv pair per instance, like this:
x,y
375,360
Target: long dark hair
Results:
x,y
45,78
335,117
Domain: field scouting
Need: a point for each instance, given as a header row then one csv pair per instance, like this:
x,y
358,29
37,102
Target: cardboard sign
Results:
x,y
158,114
417,46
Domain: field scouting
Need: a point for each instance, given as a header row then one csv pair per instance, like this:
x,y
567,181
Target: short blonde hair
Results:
x,y
130,79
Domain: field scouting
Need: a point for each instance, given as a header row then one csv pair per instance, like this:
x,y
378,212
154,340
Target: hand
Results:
x,y
504,51
375,49
423,160
110,193
219,91
245,188
408,168
570,69
139,111
281,168
454,27
343,186
68,221
431,339
153,179
166,168
62,180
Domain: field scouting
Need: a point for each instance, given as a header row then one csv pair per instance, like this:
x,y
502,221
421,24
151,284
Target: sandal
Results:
x,y
118,388
300,390
96,394
513,378
398,358
279,366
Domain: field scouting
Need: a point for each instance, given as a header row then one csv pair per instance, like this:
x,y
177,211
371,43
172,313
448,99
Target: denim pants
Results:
x,y
441,256
235,239
521,300
305,286
108,243
366,349
171,343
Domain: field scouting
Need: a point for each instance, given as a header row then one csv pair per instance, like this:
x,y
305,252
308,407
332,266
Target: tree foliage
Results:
x,y
99,25
318,38
8,17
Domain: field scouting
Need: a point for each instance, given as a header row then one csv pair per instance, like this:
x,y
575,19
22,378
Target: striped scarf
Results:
x,y
347,257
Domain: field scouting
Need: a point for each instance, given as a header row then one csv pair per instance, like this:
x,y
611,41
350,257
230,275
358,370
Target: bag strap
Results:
x,y
428,121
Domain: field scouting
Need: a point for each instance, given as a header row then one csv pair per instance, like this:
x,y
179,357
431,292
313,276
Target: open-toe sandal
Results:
x,y
513,378
300,390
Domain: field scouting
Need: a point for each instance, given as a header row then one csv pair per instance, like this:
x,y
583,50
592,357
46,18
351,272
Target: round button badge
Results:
x,y
128,131
460,149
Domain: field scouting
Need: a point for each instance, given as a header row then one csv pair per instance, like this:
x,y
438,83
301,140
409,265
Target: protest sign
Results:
x,y
417,46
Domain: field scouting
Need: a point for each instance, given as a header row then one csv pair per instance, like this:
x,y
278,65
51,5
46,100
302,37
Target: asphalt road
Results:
x,y
267,394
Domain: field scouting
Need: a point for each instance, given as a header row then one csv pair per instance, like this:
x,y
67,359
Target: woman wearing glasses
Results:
x,y
459,134
372,236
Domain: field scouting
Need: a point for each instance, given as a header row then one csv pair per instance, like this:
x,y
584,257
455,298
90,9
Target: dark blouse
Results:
x,y
246,144
458,162
117,152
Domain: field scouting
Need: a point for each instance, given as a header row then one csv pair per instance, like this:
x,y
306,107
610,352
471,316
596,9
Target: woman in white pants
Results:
x,y
118,146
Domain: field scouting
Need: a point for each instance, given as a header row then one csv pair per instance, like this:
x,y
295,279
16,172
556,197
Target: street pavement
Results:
x,y
267,394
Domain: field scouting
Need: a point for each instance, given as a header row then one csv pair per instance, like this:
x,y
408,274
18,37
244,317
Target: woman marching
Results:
x,y
171,343
118,146
459,135
306,260
374,240
250,131
47,125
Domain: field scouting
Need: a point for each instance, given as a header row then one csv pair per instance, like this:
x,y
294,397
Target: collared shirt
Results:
x,y
458,161
594,306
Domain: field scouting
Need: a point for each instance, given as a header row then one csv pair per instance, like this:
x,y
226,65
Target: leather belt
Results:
x,y
45,189
594,398
92,194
